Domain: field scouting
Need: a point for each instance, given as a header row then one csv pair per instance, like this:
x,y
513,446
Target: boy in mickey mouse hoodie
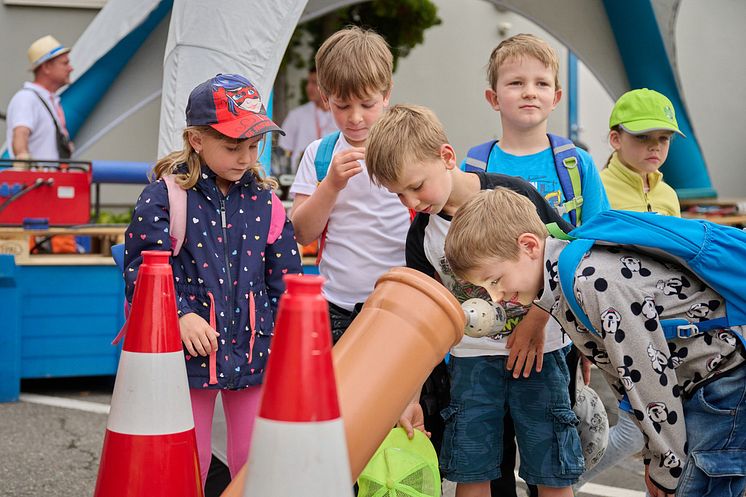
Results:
x,y
688,395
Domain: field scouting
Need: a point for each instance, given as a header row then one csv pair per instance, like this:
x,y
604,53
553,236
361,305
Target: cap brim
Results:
x,y
648,125
247,126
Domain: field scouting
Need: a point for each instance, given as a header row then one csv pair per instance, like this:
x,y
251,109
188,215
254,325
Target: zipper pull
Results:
x,y
222,213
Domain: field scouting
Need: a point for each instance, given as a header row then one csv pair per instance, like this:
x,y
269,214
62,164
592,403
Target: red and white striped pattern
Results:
x,y
298,445
150,446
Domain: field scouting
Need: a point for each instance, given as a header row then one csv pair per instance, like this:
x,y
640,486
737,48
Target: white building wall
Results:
x,y
710,44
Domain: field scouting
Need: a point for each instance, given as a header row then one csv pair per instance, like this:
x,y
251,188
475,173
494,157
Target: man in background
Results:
x,y
35,119
306,123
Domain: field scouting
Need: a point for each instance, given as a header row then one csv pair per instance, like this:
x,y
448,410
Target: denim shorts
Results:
x,y
716,436
482,390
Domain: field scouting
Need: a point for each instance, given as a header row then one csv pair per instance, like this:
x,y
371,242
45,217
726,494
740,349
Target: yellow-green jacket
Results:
x,y
625,190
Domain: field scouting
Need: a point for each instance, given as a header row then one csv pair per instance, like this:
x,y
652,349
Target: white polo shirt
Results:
x,y
366,233
25,109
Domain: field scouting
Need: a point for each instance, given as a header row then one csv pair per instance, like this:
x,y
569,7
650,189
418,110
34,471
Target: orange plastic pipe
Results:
x,y
406,327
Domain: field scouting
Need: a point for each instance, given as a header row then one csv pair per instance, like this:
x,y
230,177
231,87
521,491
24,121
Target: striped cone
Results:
x,y
298,444
150,446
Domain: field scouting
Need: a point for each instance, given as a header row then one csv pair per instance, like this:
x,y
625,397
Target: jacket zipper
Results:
x,y
229,292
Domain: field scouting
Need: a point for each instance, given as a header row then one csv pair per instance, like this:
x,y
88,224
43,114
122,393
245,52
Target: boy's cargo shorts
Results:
x,y
481,392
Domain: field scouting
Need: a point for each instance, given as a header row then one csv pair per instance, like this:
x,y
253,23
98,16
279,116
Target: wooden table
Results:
x,y
15,242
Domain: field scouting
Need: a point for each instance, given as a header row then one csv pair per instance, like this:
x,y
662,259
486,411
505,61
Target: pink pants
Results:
x,y
240,407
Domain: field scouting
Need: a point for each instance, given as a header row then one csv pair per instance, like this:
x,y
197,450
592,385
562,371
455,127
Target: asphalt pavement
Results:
x,y
54,450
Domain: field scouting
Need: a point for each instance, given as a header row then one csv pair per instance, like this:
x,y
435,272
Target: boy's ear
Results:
x,y
491,97
324,98
615,139
530,244
387,96
448,155
557,97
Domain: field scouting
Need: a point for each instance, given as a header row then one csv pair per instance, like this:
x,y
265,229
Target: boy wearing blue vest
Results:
x,y
631,293
524,88
362,227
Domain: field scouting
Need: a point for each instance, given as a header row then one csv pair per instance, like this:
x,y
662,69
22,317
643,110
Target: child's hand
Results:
x,y
526,343
413,418
344,166
198,337
653,490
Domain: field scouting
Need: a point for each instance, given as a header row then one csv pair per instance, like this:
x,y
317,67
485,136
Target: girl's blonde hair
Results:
x,y
169,164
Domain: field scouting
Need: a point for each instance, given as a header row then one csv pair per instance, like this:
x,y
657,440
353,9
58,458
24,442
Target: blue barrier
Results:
x,y
107,171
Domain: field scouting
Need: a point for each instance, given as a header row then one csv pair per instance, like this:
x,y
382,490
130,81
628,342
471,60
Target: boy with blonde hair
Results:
x,y
362,227
409,154
687,391
524,87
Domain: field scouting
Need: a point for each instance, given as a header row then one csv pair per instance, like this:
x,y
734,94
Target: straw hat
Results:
x,y
44,49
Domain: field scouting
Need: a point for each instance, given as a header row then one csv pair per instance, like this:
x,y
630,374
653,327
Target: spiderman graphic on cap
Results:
x,y
237,92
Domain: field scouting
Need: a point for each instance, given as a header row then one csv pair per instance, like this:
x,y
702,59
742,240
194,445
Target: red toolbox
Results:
x,y
62,197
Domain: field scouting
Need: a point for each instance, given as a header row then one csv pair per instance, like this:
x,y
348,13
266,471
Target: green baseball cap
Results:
x,y
401,468
641,111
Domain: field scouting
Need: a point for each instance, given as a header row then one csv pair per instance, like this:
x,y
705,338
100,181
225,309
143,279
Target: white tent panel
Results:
x,y
115,21
203,41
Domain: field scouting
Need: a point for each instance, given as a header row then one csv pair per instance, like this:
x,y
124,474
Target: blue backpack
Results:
x,y
566,162
711,251
324,155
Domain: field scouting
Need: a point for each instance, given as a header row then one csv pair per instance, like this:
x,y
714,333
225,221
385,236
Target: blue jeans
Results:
x,y
716,433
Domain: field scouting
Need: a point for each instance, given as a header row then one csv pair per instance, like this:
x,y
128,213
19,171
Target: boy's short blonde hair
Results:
x,y
404,134
354,62
520,46
488,226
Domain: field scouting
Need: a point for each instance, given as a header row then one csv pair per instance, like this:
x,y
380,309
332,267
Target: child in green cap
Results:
x,y
641,125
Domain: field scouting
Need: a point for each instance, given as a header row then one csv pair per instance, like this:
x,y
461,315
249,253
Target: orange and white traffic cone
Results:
x,y
150,446
298,444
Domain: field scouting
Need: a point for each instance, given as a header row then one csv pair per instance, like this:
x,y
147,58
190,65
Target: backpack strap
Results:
x,y
276,220
478,157
567,264
324,155
567,164
321,163
177,208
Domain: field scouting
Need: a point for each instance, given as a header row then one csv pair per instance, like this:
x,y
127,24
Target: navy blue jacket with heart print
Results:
x,y
225,266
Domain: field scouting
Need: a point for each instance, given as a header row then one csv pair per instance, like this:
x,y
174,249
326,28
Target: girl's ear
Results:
x,y
195,140
615,139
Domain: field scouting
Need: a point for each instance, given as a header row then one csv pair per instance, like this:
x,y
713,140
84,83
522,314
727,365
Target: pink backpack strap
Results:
x,y
177,206
276,221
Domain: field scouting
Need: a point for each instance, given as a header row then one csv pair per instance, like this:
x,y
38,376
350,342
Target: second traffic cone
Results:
x,y
150,446
298,444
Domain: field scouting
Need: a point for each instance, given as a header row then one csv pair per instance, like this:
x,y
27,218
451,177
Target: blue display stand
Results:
x,y
57,321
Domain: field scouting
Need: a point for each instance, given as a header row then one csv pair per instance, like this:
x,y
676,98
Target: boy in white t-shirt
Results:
x,y
363,226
